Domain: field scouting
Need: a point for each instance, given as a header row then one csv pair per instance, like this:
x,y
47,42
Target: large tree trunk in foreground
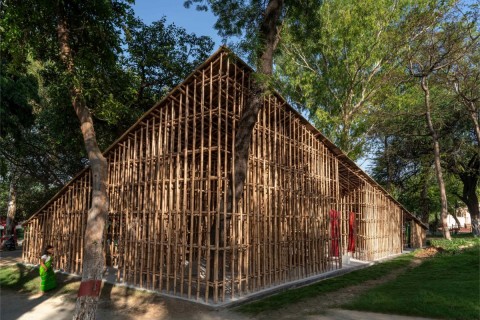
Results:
x,y
438,166
93,259
243,136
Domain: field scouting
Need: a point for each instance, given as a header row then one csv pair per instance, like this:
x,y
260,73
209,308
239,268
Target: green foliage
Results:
x,y
243,20
121,65
161,56
28,155
236,19
444,287
457,244
16,96
403,159
31,195
334,63
404,147
36,152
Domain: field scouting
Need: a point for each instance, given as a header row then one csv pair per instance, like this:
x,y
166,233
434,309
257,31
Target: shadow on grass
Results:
x,y
26,279
21,290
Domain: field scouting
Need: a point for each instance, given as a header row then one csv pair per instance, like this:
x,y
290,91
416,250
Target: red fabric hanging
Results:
x,y
351,232
334,216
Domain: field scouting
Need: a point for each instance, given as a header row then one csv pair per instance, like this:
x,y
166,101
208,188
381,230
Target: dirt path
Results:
x,y
127,304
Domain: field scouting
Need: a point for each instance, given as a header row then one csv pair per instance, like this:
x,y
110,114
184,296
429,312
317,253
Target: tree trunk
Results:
x,y
12,207
454,215
438,167
470,180
424,201
344,141
11,210
472,204
470,198
243,136
471,109
93,258
474,116
389,167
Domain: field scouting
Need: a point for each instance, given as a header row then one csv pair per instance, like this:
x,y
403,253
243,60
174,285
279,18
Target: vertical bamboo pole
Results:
x,y
209,280
130,210
192,250
229,238
151,208
157,241
171,241
185,264
137,208
239,98
164,235
198,214
216,213
142,212
177,194
123,225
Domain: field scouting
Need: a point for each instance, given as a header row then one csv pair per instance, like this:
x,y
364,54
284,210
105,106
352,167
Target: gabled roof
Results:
x,y
349,166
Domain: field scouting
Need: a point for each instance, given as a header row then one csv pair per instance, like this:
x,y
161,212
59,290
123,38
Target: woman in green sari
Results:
x,y
47,274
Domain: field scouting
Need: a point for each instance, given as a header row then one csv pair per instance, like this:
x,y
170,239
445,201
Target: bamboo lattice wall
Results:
x,y
167,227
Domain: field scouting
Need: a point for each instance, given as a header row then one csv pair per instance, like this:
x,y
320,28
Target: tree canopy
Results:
x,y
144,63
344,64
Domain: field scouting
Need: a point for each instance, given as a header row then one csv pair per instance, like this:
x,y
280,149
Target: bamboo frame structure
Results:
x,y
168,229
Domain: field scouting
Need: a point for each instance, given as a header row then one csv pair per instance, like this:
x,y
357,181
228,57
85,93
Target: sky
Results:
x,y
198,22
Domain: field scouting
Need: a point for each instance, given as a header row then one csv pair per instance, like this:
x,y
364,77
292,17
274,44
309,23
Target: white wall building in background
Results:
x,y
463,217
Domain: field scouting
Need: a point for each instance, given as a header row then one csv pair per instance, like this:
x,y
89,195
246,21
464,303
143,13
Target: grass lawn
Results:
x,y
20,278
26,279
283,299
446,286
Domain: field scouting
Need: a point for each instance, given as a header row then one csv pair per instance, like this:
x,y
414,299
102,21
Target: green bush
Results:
x,y
456,244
